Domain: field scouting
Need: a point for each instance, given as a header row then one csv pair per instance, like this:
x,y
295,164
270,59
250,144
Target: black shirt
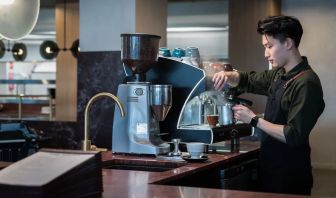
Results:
x,y
302,102
295,100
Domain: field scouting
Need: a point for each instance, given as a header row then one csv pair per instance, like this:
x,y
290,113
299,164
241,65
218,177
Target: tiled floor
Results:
x,y
324,183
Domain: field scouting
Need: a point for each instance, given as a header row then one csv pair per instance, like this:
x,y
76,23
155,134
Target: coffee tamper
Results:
x,y
176,143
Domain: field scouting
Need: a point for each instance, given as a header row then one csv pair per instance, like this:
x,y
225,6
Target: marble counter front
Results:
x,y
127,183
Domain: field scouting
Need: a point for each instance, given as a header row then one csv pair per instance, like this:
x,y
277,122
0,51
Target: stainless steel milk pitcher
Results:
x,y
225,114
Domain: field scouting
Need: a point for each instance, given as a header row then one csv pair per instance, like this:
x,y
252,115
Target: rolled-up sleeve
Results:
x,y
306,105
257,83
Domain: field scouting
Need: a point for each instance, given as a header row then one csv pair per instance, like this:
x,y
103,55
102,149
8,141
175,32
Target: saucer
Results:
x,y
188,158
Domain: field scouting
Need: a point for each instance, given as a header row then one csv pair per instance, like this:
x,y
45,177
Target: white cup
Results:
x,y
195,149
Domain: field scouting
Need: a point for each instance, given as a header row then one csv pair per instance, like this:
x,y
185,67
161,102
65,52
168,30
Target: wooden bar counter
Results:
x,y
129,183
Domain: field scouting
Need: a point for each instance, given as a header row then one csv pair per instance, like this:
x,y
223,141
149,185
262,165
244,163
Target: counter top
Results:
x,y
127,183
184,169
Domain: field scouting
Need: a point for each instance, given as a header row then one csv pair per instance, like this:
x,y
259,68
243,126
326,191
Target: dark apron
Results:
x,y
282,169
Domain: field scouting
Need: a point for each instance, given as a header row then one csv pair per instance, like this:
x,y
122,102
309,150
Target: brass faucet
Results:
x,y
86,145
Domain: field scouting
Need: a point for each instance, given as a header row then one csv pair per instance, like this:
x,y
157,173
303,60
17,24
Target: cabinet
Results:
x,y
240,174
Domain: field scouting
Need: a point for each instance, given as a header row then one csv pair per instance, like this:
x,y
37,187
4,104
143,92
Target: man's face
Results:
x,y
275,52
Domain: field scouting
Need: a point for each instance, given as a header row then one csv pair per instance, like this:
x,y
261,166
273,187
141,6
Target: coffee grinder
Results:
x,y
145,104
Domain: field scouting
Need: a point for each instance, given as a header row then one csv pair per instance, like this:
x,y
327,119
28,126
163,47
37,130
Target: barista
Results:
x,y
295,102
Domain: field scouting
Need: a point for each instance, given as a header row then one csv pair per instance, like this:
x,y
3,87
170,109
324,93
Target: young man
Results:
x,y
295,102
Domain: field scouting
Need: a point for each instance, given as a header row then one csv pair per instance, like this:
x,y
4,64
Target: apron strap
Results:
x,y
295,77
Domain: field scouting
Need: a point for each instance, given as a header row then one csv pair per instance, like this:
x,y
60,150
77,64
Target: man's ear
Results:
x,y
289,43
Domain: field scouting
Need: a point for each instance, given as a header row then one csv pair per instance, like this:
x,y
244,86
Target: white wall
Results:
x,y
195,14
318,19
211,44
102,22
212,13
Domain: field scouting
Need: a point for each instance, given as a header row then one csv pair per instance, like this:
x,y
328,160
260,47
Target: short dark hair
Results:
x,y
281,27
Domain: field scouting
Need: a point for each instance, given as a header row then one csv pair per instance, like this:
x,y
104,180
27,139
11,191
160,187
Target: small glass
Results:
x,y
164,52
178,52
212,120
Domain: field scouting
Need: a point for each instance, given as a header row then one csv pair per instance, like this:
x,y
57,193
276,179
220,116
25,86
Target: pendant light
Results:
x,y
19,51
2,49
75,48
49,49
18,18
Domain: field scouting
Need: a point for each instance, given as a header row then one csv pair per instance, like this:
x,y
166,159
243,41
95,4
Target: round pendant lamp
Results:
x,y
18,18
19,51
2,49
49,50
75,48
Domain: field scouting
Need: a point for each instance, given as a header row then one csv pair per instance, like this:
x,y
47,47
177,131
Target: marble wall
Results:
x,y
97,72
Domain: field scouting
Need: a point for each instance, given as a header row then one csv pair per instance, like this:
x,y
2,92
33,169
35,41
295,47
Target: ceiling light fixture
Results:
x,y
49,49
2,49
19,51
18,18
75,48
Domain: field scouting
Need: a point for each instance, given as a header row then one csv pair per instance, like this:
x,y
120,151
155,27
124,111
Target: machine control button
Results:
x,y
139,91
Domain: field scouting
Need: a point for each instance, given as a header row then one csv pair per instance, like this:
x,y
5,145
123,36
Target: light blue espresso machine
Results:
x,y
146,104
158,100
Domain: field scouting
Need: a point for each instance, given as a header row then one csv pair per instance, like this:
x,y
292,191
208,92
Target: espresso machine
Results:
x,y
152,118
146,104
193,124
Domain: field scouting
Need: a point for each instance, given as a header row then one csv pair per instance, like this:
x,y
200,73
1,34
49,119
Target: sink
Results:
x,y
141,165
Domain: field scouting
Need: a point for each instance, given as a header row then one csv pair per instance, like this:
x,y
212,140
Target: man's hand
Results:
x,y
223,77
242,113
245,115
